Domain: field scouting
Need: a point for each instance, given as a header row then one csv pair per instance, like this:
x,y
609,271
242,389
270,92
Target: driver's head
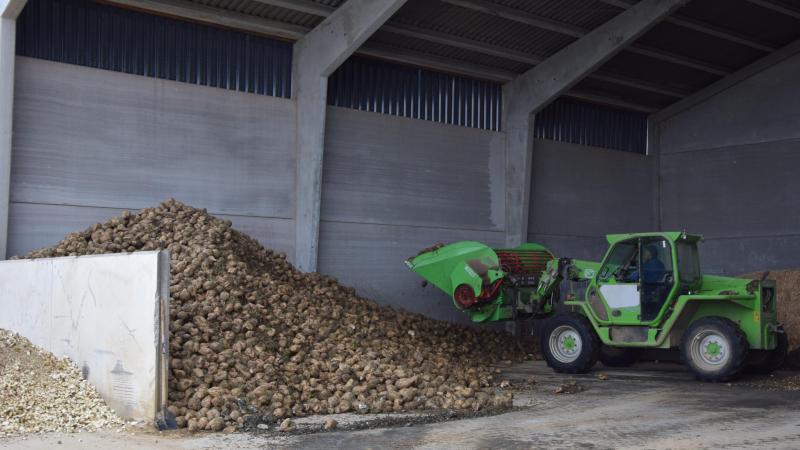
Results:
x,y
650,252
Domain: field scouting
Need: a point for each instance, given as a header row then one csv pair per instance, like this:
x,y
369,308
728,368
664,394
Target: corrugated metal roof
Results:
x,y
480,27
258,9
583,13
740,17
430,48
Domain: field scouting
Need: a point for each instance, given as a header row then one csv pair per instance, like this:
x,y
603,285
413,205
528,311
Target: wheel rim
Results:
x,y
710,349
565,344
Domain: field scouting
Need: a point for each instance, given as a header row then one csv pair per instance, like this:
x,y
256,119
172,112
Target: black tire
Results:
x,y
715,349
618,356
562,329
767,361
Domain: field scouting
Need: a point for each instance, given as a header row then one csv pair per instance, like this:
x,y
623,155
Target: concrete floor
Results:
x,y
648,406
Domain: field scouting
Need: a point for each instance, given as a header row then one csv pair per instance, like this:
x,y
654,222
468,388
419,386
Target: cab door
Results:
x,y
636,280
619,284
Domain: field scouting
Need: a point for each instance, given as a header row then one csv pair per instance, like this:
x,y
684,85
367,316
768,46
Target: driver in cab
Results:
x,y
652,267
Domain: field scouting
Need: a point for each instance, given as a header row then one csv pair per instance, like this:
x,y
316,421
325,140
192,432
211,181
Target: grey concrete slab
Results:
x,y
750,254
761,108
35,226
370,258
748,190
97,138
385,169
589,191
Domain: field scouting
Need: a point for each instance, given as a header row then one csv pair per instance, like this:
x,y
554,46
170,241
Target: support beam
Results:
x,y
603,100
315,57
780,9
215,16
304,6
524,17
9,10
544,83
447,65
702,27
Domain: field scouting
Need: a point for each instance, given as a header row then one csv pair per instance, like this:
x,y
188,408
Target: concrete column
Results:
x,y
9,10
315,57
536,88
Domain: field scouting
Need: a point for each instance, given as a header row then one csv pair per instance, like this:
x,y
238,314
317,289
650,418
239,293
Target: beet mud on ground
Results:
x,y
252,338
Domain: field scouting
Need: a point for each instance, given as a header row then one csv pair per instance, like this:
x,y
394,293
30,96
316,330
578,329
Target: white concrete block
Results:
x,y
105,313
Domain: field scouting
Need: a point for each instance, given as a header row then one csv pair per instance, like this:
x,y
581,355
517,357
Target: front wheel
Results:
x,y
569,343
715,349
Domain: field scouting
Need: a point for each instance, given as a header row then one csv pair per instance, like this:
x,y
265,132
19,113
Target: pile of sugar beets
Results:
x,y
252,338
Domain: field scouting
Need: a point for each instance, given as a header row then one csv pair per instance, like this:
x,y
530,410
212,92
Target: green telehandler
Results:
x,y
647,293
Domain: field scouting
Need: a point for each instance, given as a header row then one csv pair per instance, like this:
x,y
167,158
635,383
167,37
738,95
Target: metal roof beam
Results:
x,y
305,6
781,9
604,100
703,27
447,65
518,15
524,17
215,16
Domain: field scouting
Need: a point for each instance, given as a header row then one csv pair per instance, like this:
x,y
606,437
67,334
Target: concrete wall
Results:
x,y
104,313
393,186
729,171
90,143
580,193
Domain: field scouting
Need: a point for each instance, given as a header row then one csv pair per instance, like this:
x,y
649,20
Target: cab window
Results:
x,y
622,262
688,263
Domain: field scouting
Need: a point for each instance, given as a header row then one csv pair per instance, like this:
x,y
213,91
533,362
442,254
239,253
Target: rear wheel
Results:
x,y
618,357
715,349
768,361
569,343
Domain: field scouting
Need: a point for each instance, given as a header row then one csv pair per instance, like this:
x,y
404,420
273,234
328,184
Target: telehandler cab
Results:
x,y
648,292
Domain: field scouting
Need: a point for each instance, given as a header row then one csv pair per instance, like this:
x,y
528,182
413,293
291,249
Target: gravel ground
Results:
x,y
648,406
42,393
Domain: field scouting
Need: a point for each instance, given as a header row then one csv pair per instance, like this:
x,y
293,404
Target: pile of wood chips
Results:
x,y
40,392
254,339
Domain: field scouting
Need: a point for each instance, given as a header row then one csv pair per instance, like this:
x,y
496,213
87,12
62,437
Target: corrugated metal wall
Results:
x,y
378,86
576,122
106,37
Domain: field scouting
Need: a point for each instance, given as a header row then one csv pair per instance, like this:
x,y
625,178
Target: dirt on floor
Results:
x,y
652,405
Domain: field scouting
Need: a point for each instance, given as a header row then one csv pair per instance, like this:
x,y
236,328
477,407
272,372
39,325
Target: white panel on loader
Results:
x,y
620,295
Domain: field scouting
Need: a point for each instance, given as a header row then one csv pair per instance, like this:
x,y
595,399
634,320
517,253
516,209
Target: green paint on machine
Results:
x,y
647,291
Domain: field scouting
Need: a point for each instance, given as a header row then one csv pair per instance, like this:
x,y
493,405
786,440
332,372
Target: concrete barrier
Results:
x,y
108,313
